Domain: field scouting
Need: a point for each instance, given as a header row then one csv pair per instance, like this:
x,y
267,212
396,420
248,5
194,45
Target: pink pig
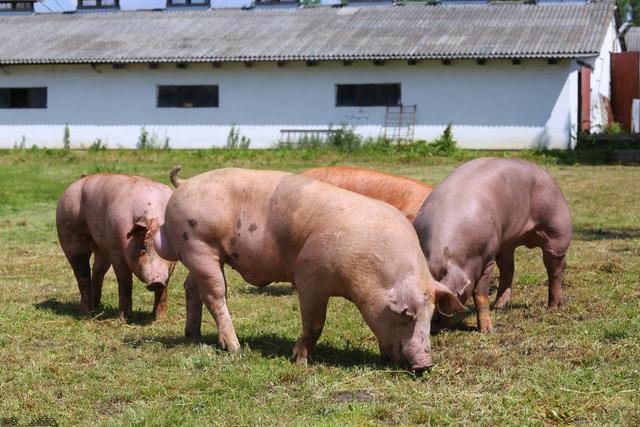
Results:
x,y
274,226
479,215
114,217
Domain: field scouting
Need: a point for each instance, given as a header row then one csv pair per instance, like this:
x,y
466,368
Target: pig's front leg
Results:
x,y
125,283
194,309
481,300
313,308
160,303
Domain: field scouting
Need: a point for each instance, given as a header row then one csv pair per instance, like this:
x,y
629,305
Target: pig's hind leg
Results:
x,y
506,265
77,249
555,265
206,266
555,244
101,265
194,309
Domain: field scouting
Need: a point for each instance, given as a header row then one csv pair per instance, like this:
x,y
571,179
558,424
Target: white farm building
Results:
x,y
508,76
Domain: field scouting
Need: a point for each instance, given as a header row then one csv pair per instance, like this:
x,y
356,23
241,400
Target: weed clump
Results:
x,y
236,141
147,141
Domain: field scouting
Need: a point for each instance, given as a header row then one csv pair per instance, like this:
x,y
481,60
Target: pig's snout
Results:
x,y
423,363
417,356
156,286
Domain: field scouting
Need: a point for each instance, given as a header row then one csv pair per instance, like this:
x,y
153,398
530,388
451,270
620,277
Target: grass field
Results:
x,y
580,365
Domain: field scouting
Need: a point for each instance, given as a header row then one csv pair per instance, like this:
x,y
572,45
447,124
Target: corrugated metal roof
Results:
x,y
316,33
632,39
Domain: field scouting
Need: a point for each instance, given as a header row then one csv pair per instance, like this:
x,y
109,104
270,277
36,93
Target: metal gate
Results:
x,y
625,85
399,123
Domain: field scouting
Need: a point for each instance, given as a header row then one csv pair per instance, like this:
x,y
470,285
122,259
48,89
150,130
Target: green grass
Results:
x,y
580,365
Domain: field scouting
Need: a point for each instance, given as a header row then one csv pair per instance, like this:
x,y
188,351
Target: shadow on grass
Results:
x,y
592,234
103,312
271,345
280,290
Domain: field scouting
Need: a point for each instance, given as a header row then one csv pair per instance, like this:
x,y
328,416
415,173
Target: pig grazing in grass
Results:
x,y
479,215
279,227
406,194
114,217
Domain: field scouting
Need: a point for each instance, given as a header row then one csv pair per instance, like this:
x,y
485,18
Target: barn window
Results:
x,y
96,4
277,2
16,6
23,97
188,96
188,3
368,95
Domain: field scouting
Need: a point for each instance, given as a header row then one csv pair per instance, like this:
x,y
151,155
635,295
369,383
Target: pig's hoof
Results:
x,y
193,336
160,315
232,346
299,355
554,306
488,330
86,308
299,359
500,305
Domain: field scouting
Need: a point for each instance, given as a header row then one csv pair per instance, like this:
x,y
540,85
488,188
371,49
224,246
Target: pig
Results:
x,y
406,194
114,217
275,226
479,215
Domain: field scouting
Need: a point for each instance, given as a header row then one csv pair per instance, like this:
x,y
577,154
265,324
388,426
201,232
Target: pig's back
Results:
x,y
263,219
404,193
111,203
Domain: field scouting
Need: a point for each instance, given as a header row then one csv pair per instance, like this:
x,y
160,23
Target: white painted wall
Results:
x,y
497,105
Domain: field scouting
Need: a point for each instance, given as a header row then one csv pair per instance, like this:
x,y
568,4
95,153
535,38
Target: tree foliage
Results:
x,y
629,10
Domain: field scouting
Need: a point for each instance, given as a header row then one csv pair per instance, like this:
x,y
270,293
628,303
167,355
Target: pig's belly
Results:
x,y
260,270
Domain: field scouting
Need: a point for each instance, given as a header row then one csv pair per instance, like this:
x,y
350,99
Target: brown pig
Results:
x,y
114,217
406,194
279,227
479,215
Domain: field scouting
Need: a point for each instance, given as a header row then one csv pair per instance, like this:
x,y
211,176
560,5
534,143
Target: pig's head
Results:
x,y
144,260
402,320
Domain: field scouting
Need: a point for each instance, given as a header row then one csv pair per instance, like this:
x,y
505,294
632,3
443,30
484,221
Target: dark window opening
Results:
x,y
368,95
188,3
96,4
17,6
275,2
31,97
187,96
34,97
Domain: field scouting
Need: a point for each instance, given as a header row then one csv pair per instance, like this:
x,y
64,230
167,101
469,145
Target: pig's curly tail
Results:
x,y
174,176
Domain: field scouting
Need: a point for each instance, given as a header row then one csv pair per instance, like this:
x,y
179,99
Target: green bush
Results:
x,y
151,141
66,137
345,139
237,141
97,145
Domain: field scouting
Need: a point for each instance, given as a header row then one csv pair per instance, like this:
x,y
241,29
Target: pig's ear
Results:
x,y
398,301
139,229
446,302
455,280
